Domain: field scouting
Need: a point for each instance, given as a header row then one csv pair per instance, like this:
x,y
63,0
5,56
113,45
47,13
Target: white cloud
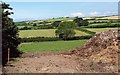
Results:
x,y
110,13
105,13
95,13
91,14
75,14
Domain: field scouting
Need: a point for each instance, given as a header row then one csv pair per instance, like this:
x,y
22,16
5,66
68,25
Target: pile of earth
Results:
x,y
101,51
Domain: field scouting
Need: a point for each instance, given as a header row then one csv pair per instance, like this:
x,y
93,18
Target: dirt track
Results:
x,y
43,63
53,63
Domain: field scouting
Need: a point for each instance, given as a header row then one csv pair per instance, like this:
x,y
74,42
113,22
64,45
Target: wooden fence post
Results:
x,y
8,56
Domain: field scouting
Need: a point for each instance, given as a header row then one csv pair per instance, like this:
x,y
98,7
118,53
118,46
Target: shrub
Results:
x,y
25,28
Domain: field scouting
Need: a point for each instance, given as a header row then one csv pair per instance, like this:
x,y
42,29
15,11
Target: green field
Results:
x,y
91,21
99,29
95,24
20,27
44,33
55,46
23,26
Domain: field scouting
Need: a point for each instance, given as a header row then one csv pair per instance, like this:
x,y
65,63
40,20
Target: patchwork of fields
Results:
x,y
55,46
58,45
51,32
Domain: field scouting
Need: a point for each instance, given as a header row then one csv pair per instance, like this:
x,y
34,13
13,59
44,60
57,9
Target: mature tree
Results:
x,y
56,23
80,21
9,33
66,30
34,24
77,20
84,23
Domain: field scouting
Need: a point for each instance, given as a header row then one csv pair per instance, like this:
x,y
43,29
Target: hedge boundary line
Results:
x,y
86,31
43,39
103,26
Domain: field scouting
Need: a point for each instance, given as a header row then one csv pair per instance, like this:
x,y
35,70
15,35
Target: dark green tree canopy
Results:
x,y
67,25
9,33
77,20
66,30
80,21
56,23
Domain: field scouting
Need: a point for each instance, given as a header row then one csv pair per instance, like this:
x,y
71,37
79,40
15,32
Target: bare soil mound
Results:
x,y
102,49
99,54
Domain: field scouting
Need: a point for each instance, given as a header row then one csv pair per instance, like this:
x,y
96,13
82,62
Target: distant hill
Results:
x,y
110,17
71,18
50,21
